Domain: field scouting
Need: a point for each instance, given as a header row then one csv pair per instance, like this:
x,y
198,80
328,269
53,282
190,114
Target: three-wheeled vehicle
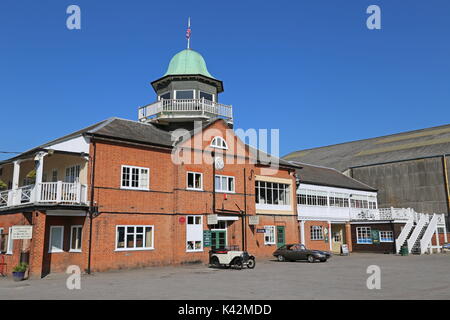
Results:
x,y
231,257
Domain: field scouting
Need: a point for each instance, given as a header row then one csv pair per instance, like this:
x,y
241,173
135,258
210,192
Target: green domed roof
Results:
x,y
188,62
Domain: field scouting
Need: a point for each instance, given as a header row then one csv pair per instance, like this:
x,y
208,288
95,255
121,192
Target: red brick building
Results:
x,y
161,190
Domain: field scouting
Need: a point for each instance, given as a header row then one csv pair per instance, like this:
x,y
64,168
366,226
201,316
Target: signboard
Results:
x,y
260,230
213,219
21,232
182,220
344,250
253,220
206,238
375,236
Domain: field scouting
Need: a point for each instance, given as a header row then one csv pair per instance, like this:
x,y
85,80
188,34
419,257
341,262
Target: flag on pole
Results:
x,y
188,33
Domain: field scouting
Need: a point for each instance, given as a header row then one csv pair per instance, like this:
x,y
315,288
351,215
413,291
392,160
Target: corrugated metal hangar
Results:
x,y
409,169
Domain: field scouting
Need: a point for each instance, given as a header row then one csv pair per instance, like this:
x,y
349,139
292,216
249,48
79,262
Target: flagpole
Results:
x,y
189,38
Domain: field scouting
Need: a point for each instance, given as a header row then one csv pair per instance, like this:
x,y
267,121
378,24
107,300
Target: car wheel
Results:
x,y
281,258
311,259
215,262
237,263
251,263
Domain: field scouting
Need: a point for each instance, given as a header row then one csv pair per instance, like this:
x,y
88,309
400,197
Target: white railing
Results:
x,y
167,108
423,220
426,238
46,192
396,214
404,234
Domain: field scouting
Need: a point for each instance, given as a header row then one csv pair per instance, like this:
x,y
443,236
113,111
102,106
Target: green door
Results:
x,y
218,239
281,239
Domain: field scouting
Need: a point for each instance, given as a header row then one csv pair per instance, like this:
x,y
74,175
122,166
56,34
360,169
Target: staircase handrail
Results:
x,y
428,235
404,234
423,219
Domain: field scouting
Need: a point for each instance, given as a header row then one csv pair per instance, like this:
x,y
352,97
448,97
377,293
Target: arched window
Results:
x,y
219,142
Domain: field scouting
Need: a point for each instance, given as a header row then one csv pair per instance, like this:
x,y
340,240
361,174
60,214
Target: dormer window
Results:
x,y
184,94
219,142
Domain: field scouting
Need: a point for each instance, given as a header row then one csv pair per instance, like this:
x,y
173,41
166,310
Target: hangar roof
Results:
x,y
409,145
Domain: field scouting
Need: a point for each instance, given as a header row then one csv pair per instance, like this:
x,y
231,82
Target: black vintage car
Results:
x,y
294,252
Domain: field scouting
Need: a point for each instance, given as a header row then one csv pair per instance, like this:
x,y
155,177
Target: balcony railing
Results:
x,y
46,192
189,108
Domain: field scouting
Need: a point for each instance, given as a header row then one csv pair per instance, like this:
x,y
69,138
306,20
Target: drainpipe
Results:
x,y
244,216
213,155
91,207
447,190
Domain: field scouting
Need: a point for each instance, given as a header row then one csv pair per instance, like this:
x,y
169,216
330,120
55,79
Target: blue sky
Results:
x,y
309,68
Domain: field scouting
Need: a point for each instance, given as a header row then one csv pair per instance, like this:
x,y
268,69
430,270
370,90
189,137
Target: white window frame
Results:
x,y
125,238
175,94
200,227
219,143
270,241
316,233
385,237
358,241
201,180
139,187
50,248
228,182
212,94
77,172
71,237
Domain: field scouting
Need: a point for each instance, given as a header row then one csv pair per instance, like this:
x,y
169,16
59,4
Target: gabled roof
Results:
x,y
409,145
316,175
137,132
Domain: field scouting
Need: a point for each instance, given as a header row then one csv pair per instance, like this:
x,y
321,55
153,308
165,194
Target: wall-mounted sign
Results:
x,y
253,220
182,220
206,238
260,230
22,232
213,219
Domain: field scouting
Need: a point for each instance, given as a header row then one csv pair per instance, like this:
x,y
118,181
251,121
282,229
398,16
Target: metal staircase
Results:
x,y
418,233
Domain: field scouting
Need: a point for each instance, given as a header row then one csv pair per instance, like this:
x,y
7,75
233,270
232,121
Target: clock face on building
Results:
x,y
218,163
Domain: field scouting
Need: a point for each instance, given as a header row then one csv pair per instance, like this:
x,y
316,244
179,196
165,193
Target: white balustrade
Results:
x,y
45,192
169,107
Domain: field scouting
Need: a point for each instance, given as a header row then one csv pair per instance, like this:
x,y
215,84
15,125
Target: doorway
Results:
x,y
281,236
337,237
218,239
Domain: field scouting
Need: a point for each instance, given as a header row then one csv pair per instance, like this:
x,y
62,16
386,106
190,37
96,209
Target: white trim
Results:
x,y
225,191
50,247
125,238
214,143
198,226
139,179
71,235
268,243
223,218
175,94
201,181
10,244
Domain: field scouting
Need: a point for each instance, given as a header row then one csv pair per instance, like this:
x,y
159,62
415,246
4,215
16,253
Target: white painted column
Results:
x,y
14,196
302,232
437,240
39,167
445,231
330,236
16,175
